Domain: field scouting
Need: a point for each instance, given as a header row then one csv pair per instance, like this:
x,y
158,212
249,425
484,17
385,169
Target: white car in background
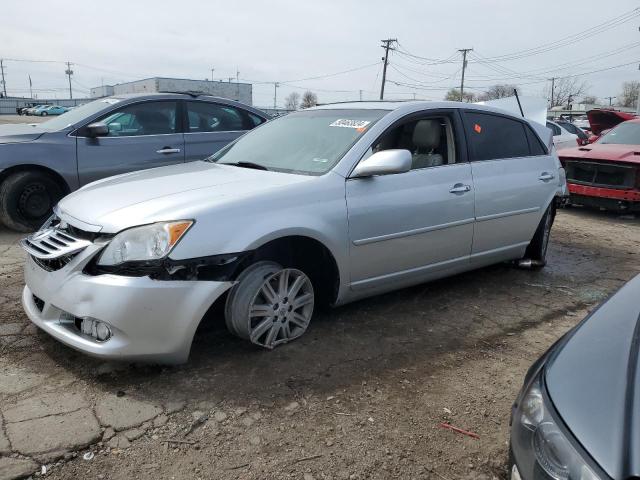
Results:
x,y
562,138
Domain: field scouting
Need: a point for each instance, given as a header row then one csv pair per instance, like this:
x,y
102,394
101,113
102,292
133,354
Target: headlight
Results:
x,y
541,448
149,242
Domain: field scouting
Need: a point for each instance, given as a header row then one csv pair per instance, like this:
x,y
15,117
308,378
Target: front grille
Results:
x,y
51,265
600,174
39,303
53,243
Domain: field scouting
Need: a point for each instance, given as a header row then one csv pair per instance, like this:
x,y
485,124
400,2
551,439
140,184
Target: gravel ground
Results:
x,y
21,119
360,396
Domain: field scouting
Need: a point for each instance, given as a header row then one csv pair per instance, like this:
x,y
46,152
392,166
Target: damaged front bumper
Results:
x,y
148,320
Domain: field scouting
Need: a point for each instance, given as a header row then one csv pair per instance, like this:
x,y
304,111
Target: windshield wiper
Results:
x,y
256,166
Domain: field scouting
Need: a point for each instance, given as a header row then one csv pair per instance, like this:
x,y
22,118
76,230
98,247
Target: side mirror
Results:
x,y
97,129
386,162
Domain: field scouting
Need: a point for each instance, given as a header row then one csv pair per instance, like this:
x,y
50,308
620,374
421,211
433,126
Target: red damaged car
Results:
x,y
606,173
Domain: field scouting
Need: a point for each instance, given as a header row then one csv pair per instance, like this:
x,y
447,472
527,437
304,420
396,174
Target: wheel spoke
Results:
x,y
261,328
295,288
283,283
298,320
302,300
261,311
272,335
269,293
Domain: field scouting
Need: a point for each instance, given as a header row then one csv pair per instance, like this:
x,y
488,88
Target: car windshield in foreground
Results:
x,y
78,114
310,142
627,133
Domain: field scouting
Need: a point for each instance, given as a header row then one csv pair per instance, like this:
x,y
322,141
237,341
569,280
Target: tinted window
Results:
x,y
535,144
554,128
149,118
491,137
211,117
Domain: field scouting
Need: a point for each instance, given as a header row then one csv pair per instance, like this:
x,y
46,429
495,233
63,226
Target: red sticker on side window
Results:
x,y
477,128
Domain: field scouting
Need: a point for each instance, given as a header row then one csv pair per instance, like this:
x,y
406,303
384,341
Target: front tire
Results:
x,y
537,248
270,305
27,199
44,114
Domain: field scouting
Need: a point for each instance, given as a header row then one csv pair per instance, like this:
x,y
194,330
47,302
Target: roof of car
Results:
x,y
409,105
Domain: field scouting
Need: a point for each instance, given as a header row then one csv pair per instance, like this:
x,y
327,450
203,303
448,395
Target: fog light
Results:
x,y
96,329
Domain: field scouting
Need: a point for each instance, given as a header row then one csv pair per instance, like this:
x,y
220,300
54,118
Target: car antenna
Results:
x,y
515,92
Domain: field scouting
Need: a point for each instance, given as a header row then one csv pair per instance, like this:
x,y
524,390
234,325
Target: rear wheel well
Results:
x,y
308,255
4,174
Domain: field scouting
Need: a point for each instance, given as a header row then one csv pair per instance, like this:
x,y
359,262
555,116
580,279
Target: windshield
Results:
x,y
78,114
627,133
310,142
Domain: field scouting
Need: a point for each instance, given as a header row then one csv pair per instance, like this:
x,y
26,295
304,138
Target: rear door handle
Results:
x,y
168,150
460,188
546,176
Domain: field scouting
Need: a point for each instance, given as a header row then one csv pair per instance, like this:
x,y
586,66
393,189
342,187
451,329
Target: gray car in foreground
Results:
x,y
322,206
40,163
577,416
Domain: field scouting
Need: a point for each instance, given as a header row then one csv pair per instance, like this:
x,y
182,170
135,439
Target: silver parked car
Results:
x,y
326,205
39,164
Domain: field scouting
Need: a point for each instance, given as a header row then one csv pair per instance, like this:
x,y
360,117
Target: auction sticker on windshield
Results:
x,y
345,123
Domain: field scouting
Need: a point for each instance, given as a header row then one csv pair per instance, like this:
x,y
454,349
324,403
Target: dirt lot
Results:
x,y
359,396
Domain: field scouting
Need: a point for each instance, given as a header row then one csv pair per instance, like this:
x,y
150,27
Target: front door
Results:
x,y
405,227
141,135
515,179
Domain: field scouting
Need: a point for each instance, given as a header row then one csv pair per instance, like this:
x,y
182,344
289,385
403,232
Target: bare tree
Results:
x,y
292,101
453,95
497,91
590,99
309,99
629,95
565,90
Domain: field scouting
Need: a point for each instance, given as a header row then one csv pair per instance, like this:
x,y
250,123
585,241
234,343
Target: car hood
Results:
x,y
167,193
600,120
20,132
603,151
593,382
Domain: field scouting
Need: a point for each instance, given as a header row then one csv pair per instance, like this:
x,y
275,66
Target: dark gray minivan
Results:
x,y
40,163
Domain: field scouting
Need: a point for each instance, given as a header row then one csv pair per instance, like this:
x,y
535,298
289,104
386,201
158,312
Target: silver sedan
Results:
x,y
326,205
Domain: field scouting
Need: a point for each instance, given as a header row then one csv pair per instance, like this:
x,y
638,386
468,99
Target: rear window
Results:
x,y
492,137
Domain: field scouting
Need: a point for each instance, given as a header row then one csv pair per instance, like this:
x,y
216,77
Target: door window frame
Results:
x,y
245,116
80,131
457,130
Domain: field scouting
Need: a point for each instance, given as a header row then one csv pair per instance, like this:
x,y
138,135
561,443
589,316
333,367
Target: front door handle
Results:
x,y
460,188
546,176
168,150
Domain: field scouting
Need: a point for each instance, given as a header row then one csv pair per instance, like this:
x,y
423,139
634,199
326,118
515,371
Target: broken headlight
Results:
x,y
149,242
541,447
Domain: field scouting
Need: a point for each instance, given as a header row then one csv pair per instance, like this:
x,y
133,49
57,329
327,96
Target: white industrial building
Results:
x,y
242,92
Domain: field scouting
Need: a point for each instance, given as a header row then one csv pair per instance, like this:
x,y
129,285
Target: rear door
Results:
x,y
515,179
405,227
210,126
141,135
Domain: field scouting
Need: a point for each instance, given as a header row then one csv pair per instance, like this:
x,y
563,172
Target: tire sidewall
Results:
x,y
11,190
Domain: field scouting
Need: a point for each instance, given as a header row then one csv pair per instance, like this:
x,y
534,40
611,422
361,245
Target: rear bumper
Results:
x,y
612,198
150,320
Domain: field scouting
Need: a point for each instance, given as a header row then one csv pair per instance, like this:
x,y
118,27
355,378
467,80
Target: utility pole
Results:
x,y
553,84
69,72
610,99
464,67
387,47
360,95
212,69
4,84
237,84
30,87
275,94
